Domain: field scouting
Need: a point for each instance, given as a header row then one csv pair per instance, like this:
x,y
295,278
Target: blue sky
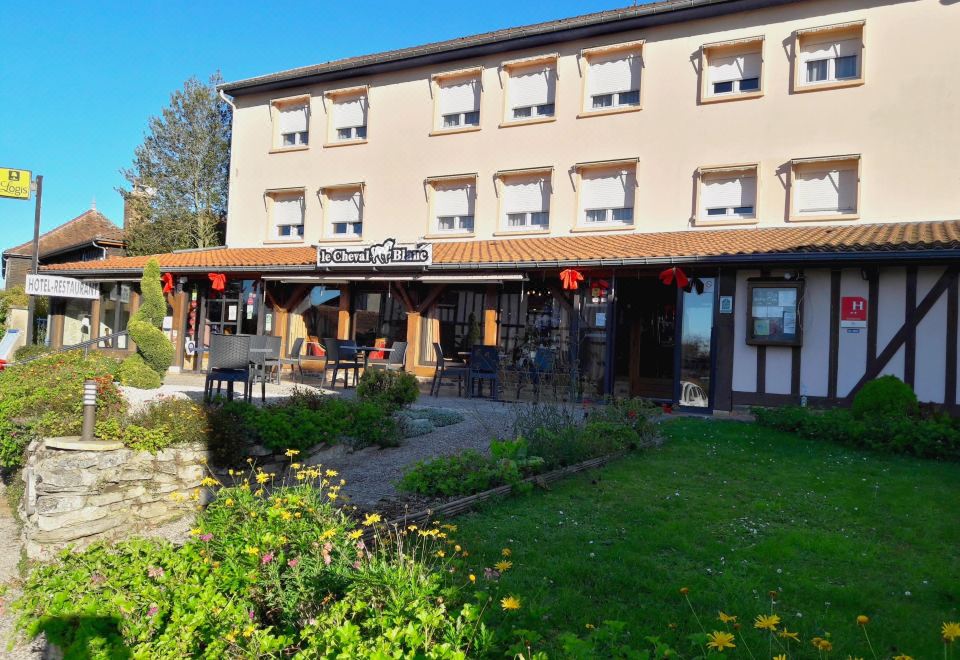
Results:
x,y
79,80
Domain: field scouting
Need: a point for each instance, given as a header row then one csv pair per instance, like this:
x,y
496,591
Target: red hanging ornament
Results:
x,y
167,280
670,274
571,279
218,281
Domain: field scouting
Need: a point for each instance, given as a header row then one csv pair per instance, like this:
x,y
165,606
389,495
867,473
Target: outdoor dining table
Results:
x,y
367,350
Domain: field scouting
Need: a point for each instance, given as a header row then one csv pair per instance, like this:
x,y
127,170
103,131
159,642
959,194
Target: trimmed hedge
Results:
x,y
154,350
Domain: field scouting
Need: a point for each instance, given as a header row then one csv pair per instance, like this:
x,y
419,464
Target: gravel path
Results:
x,y
372,472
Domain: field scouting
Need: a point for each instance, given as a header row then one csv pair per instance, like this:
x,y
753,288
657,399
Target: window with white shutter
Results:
x,y
733,74
349,116
345,212
526,202
532,91
728,195
613,80
607,196
830,61
453,205
293,120
825,192
459,102
286,210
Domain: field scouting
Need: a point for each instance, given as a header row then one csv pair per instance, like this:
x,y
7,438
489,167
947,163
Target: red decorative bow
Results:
x,y
602,284
667,276
167,279
571,279
218,281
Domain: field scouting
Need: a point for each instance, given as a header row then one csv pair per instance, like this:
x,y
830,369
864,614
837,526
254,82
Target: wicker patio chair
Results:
x,y
395,360
293,359
484,366
228,362
446,369
341,354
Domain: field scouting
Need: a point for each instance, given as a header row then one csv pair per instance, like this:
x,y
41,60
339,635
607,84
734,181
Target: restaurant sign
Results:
x,y
388,253
60,287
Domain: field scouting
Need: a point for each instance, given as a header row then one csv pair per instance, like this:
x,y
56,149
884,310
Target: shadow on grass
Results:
x,y
81,636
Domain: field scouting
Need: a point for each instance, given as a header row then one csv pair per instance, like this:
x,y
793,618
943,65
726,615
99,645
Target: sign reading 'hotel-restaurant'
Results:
x,y
388,253
60,287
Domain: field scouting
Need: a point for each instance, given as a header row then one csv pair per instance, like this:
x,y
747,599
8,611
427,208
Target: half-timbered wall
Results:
x,y
911,333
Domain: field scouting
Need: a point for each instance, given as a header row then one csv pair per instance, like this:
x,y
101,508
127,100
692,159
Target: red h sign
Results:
x,y
853,312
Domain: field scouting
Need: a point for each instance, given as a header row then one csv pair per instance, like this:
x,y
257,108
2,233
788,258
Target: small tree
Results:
x,y
145,369
179,177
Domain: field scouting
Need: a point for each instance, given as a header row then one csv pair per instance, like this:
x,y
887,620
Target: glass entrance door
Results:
x,y
696,342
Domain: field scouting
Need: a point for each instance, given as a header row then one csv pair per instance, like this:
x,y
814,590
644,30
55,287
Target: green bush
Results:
x,y
153,347
159,424
460,474
134,372
304,421
26,352
887,396
391,389
937,436
44,398
277,575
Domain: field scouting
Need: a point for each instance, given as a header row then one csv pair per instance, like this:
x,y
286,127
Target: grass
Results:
x,y
731,511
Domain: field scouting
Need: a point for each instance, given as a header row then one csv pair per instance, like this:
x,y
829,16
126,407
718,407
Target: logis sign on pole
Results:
x,y
15,184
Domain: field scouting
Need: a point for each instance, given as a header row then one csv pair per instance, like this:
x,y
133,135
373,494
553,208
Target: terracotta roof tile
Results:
x,y
85,228
679,245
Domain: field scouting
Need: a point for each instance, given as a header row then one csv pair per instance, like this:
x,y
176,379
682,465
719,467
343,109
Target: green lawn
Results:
x,y
732,511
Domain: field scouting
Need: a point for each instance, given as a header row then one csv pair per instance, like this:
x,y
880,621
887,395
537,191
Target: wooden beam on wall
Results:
x,y
873,309
834,358
909,326
762,353
950,381
490,326
343,314
910,343
723,389
431,298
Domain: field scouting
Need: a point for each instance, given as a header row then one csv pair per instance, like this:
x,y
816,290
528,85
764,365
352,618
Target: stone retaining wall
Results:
x,y
78,496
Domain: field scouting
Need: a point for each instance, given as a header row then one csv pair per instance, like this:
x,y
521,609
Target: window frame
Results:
x,y
432,184
333,96
586,54
508,68
825,162
629,165
710,171
823,34
324,192
731,48
273,233
501,179
276,137
437,81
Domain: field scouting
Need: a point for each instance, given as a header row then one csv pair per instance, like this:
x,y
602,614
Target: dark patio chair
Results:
x,y
484,366
341,354
258,371
272,358
228,362
293,359
446,369
395,359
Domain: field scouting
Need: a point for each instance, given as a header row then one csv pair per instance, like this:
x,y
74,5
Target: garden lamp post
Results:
x,y
89,409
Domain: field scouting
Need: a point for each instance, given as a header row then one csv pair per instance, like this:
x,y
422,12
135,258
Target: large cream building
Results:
x,y
706,202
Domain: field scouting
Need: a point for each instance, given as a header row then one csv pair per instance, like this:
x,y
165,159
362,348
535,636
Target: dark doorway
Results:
x,y
644,362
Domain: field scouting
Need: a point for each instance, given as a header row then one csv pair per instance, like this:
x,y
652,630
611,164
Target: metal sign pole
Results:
x,y
31,302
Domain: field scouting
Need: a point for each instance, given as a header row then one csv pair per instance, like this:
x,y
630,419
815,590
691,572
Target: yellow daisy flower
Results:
x,y
720,640
510,603
786,634
290,453
371,519
506,552
355,534
766,622
726,618
863,620
950,631
503,566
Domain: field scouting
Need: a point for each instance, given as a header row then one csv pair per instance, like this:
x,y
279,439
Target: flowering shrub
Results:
x,y
45,398
158,425
264,575
389,389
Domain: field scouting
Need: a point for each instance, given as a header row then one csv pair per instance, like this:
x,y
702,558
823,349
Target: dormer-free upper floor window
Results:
x,y
612,77
458,100
829,57
731,70
286,211
531,89
825,188
348,115
727,195
607,194
453,202
344,211
525,200
291,118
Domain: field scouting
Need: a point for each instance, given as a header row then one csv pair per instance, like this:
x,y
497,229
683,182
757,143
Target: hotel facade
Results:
x,y
713,203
